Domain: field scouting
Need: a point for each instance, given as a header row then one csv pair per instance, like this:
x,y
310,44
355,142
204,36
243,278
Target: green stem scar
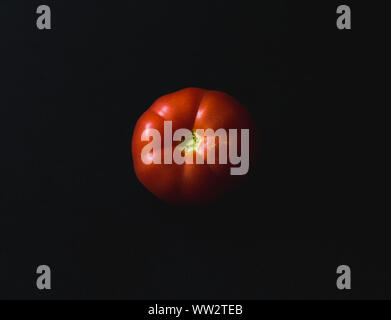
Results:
x,y
192,144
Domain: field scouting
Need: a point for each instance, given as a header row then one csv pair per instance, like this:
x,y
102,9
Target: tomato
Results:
x,y
192,109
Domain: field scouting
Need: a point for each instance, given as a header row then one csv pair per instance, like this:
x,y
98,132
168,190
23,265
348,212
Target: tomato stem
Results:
x,y
193,143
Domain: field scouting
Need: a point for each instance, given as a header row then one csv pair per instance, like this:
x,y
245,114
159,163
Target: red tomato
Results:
x,y
193,109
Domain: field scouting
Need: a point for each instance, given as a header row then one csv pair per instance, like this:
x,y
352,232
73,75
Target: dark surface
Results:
x,y
70,98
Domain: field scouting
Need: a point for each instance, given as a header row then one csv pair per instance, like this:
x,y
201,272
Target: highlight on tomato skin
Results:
x,y
174,138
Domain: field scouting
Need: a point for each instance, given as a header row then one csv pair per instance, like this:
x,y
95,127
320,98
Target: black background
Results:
x,y
70,98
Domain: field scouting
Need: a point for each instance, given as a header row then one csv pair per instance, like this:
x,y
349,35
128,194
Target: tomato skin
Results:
x,y
191,108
